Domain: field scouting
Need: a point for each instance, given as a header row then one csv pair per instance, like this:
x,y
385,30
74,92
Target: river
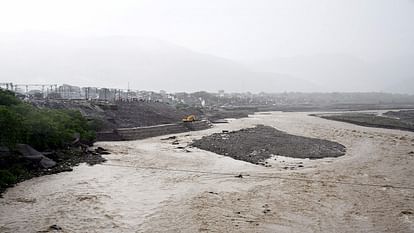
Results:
x,y
152,186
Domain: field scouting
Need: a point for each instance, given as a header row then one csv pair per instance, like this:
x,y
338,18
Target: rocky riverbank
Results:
x,y
402,120
257,144
403,115
16,167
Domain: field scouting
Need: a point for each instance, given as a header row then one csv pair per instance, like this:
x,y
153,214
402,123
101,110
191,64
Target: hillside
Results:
x,y
144,64
123,114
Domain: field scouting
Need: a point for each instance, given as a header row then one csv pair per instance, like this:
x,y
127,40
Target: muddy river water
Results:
x,y
152,186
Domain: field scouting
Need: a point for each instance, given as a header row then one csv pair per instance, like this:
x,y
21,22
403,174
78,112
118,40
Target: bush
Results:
x,y
41,128
8,98
11,127
6,178
96,124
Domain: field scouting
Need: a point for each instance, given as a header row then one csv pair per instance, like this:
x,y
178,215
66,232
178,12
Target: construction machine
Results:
x,y
189,118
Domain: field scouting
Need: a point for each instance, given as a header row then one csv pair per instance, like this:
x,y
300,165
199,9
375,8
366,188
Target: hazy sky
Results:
x,y
267,45
236,29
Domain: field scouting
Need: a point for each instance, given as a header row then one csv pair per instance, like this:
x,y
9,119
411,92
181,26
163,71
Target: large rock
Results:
x,y
47,163
29,152
76,139
35,156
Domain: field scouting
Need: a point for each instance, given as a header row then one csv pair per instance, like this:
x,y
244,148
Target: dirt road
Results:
x,y
153,186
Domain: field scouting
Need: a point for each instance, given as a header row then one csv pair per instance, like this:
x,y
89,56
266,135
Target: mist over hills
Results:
x,y
151,64
144,63
346,73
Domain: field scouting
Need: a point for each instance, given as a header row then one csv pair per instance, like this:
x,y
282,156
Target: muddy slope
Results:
x,y
123,114
257,144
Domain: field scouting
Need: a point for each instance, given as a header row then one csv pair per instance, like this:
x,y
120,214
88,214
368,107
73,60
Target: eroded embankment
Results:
x,y
257,144
16,167
138,133
372,120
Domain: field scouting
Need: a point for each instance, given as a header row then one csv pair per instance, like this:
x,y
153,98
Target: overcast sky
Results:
x,y
235,29
302,45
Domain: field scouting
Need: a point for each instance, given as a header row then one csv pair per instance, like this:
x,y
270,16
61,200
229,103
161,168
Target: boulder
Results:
x,y
35,156
29,152
47,163
76,138
55,228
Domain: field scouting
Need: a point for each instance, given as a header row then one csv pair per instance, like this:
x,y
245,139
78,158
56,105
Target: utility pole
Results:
x,y
128,92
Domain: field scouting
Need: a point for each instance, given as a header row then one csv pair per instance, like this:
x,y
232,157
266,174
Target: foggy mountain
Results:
x,y
151,64
342,72
143,63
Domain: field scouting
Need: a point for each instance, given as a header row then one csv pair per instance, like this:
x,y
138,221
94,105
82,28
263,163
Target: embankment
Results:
x,y
137,133
371,120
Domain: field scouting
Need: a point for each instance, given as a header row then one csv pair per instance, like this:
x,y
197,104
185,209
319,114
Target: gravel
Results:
x,y
257,144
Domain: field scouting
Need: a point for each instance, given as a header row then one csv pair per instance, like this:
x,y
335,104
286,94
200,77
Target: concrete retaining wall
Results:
x,y
151,131
108,136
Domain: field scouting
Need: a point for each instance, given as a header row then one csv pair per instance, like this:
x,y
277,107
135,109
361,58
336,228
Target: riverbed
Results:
x,y
152,185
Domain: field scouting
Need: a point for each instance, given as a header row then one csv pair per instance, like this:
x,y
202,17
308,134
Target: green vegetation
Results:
x,y
10,175
7,178
43,128
7,98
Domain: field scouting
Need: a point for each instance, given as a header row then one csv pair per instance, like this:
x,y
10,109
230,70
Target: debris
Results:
x,y
55,227
266,211
239,176
170,138
101,151
220,121
406,212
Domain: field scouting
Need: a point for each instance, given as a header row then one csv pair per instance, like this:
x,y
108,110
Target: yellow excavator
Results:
x,y
189,118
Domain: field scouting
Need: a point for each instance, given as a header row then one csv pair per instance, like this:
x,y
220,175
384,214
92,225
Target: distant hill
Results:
x,y
144,63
